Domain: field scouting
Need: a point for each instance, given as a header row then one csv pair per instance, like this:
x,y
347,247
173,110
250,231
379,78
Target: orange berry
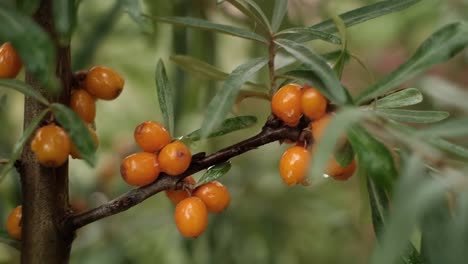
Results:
x,y
51,145
215,196
13,224
286,104
294,165
191,217
339,173
10,62
140,169
104,83
178,195
74,151
318,127
151,136
84,105
175,158
313,103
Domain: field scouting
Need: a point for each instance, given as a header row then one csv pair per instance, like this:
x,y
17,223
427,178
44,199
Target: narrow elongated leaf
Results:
x,y
374,157
279,11
223,101
259,18
450,128
23,88
207,25
5,239
361,15
214,172
410,96
77,131
3,101
292,33
413,116
340,63
134,10
229,125
344,155
32,43
331,88
206,70
449,147
439,47
64,19
18,147
165,99
335,130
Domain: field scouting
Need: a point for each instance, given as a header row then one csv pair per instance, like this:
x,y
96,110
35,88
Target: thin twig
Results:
x,y
272,131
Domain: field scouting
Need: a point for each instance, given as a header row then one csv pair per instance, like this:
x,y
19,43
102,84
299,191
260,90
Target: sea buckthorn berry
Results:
x,y
313,103
191,217
178,195
318,127
84,105
294,165
175,158
151,136
51,145
74,151
10,62
215,196
337,172
140,169
286,104
104,83
13,224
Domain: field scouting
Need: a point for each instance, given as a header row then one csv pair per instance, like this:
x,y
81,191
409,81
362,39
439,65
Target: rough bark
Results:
x,y
46,239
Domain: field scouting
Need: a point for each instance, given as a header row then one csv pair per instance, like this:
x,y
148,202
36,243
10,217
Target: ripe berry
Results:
x,y
74,151
84,105
10,62
286,104
294,165
178,195
318,127
104,83
175,158
191,217
151,136
313,103
339,173
13,224
215,196
51,145
140,169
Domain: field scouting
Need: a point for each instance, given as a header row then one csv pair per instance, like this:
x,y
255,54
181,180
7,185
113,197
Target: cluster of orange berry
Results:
x,y
289,104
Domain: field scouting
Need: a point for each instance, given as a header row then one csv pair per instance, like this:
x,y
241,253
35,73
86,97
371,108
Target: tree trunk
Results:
x,y
46,239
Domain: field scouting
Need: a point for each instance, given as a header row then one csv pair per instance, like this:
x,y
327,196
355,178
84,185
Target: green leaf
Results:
x,y
449,147
225,98
165,98
258,18
5,239
361,15
32,43
451,128
331,88
77,131
344,155
214,172
373,157
340,63
335,130
18,147
134,10
279,11
64,13
205,70
406,97
413,116
291,33
24,88
439,47
229,125
27,6
3,101
207,25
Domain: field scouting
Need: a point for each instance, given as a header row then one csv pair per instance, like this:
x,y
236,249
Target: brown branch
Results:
x,y
272,131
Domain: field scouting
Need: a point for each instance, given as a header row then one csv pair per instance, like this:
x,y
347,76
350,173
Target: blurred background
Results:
x,y
267,222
